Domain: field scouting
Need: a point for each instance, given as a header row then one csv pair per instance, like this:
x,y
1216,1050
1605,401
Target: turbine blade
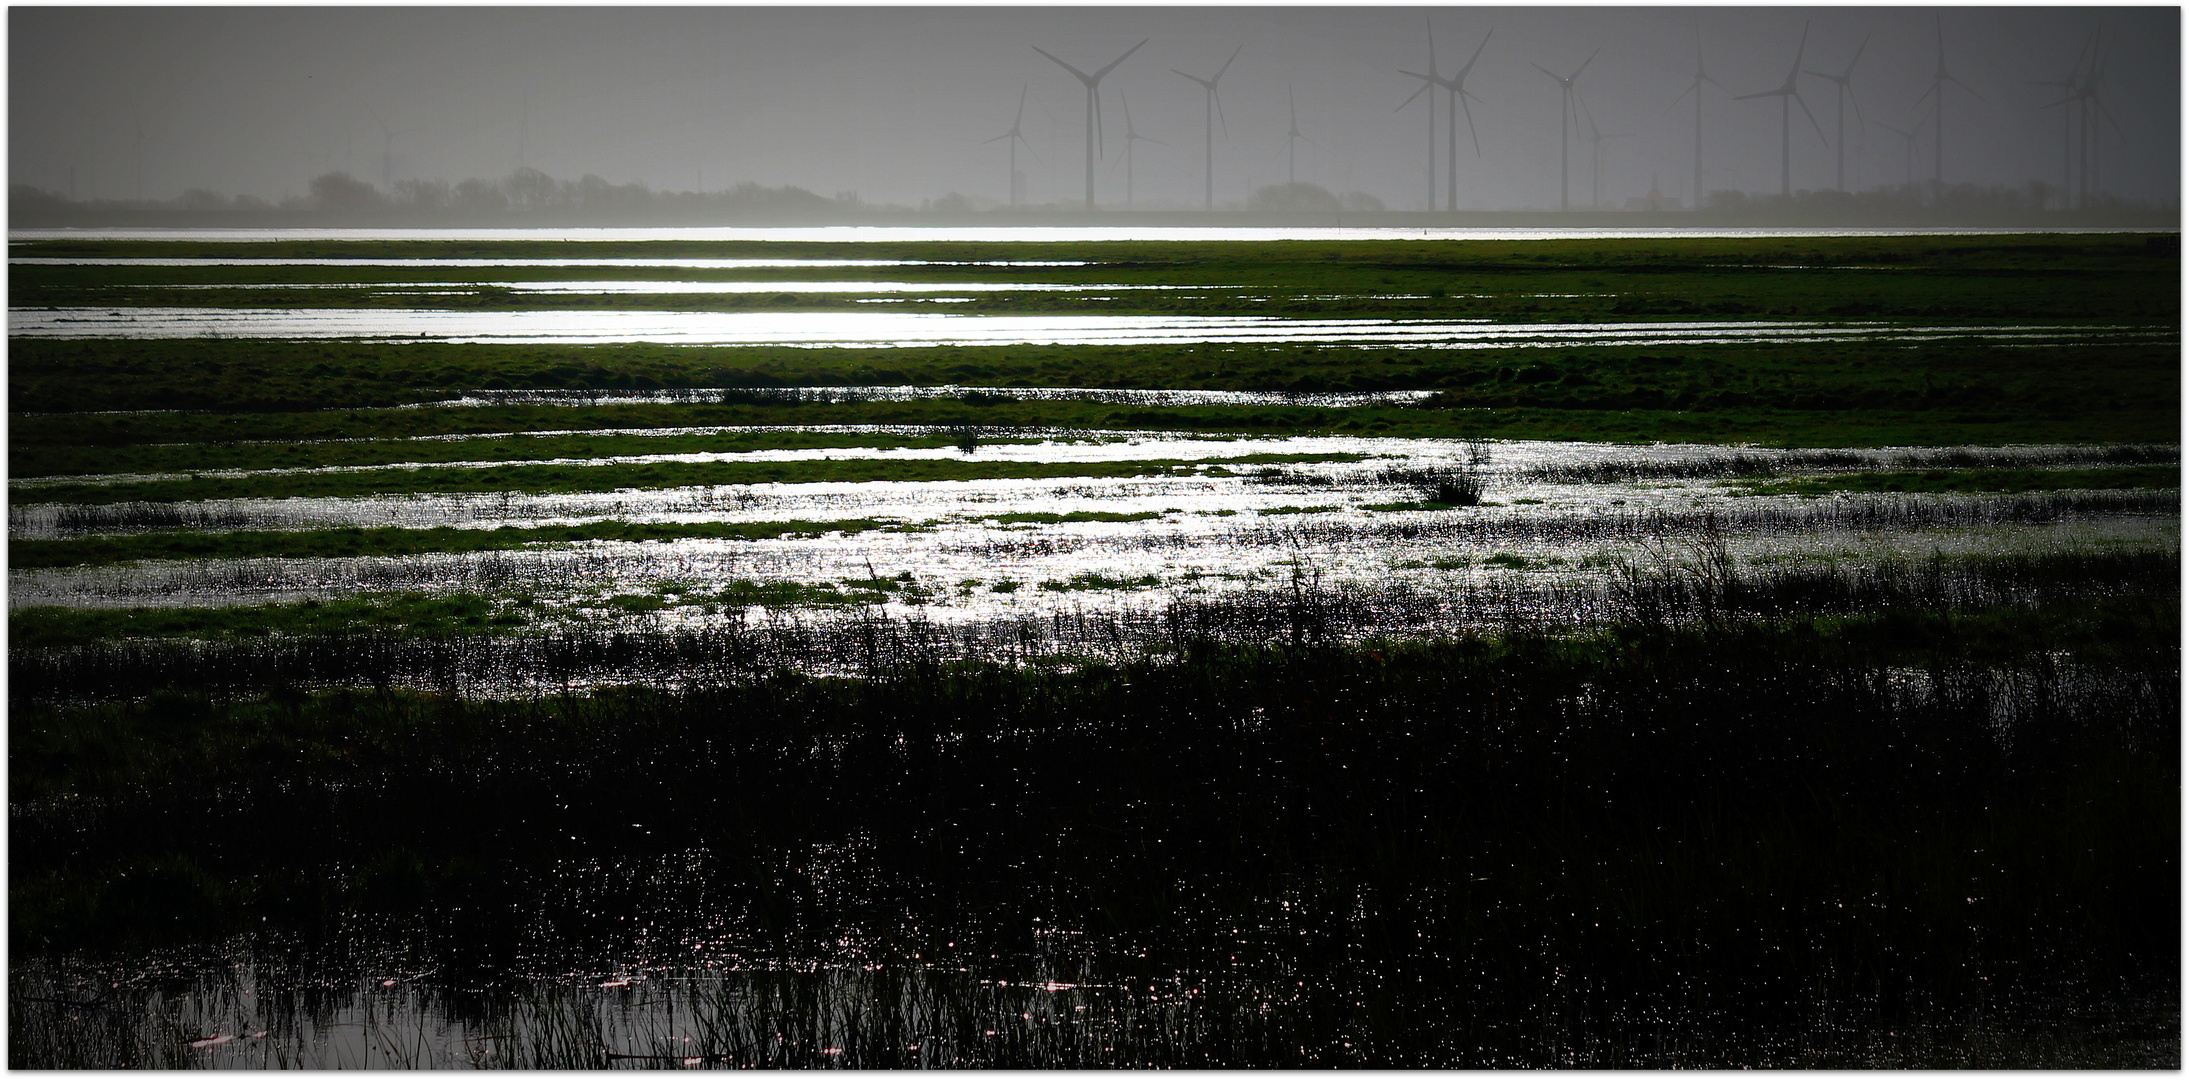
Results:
x,y
1095,92
1227,63
1812,119
1477,56
1021,113
1857,103
1410,97
998,138
1081,74
1418,75
1691,88
1965,86
2108,114
1546,71
1470,124
1585,64
1113,64
1849,73
1220,121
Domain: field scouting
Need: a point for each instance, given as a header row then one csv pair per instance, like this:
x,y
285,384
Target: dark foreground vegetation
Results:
x,y
1916,837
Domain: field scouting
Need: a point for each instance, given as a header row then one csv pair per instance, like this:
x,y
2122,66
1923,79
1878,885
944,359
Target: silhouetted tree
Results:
x,y
338,192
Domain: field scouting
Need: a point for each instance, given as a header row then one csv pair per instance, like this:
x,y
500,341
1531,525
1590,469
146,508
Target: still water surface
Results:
x,y
881,329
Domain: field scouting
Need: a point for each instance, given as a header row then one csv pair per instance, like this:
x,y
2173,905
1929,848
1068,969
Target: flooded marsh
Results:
x,y
1569,652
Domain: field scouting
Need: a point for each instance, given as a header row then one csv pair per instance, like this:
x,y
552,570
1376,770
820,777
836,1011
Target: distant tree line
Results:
x,y
530,197
2034,197
526,195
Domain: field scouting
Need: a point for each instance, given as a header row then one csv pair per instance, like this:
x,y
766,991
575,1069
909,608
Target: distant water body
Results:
x,y
837,234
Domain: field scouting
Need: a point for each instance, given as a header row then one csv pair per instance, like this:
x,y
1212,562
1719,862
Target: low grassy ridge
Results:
x,y
393,541
275,376
39,461
445,615
561,479
1945,481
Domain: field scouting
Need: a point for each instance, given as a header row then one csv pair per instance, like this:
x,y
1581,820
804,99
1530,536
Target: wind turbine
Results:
x,y
1939,79
1788,95
1132,137
1212,112
2087,94
1909,136
2069,105
1457,86
1596,157
138,155
387,145
1094,105
1016,139
1844,93
1432,110
1565,115
1696,88
1292,134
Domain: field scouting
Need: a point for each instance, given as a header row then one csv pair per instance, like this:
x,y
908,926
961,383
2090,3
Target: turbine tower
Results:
x,y
1596,157
2069,105
1696,88
1213,111
1292,135
1939,78
2084,95
1094,105
387,145
1432,189
1457,87
1909,136
1841,95
1132,137
1788,96
137,155
1565,116
1016,139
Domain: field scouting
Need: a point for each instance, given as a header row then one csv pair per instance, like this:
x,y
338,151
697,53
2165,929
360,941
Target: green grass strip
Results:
x,y
33,461
353,542
1949,481
419,614
565,479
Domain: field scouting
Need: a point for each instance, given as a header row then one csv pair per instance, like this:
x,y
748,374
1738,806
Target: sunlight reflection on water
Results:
x,y
874,329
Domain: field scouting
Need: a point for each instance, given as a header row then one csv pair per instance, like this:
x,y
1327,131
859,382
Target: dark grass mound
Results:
x,y
1901,839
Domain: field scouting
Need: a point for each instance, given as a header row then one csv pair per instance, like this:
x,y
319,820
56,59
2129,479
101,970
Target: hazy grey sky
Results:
x,y
893,103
